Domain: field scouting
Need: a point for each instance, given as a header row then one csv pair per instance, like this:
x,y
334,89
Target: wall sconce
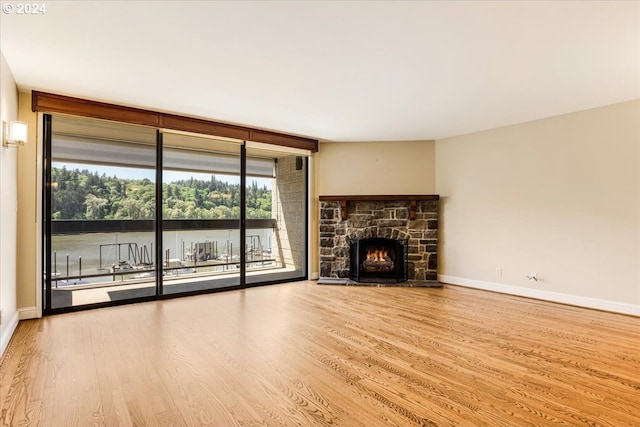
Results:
x,y
14,134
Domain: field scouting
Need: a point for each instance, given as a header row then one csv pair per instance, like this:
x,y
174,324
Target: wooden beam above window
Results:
x,y
52,103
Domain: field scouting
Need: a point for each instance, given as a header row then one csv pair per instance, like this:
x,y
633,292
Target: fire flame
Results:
x,y
378,255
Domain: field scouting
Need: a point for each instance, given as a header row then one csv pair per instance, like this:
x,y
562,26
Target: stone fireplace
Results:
x,y
379,240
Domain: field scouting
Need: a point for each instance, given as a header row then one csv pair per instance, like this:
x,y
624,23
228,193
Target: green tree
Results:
x,y
95,207
82,194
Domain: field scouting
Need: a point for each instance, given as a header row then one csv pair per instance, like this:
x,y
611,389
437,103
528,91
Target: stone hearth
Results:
x,y
411,220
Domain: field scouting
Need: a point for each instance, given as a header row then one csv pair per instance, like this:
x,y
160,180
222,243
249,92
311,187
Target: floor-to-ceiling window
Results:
x,y
286,202
201,213
134,213
101,211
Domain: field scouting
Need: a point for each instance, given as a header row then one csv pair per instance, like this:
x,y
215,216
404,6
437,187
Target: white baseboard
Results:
x,y
598,304
7,332
28,313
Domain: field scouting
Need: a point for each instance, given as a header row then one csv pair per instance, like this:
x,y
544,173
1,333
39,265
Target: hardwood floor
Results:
x,y
307,354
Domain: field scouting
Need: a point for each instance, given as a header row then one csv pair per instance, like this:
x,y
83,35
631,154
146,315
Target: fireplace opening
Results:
x,y
377,260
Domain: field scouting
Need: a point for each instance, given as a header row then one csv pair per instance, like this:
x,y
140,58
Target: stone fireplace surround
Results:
x,y
410,219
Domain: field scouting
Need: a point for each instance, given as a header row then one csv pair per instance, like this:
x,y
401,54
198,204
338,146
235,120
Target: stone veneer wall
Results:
x,y
288,205
389,219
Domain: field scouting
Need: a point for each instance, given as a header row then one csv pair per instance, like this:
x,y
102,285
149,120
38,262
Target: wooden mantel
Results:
x,y
412,198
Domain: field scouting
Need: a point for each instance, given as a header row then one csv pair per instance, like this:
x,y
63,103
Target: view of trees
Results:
x,y
82,194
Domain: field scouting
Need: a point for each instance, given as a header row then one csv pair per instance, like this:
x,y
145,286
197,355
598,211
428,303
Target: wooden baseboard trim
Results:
x,y
576,300
27,313
7,332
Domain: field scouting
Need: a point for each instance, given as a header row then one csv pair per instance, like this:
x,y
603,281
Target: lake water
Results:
x,y
97,259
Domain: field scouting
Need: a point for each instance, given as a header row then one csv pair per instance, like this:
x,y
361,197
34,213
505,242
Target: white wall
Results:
x,y
352,168
28,270
8,207
558,196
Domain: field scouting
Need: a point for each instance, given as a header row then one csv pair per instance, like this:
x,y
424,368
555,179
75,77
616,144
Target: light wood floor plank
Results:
x,y
303,354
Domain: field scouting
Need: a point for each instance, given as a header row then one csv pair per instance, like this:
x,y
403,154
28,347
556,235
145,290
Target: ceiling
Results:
x,y
334,70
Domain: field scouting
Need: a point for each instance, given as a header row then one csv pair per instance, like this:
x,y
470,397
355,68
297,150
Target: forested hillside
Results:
x,y
86,195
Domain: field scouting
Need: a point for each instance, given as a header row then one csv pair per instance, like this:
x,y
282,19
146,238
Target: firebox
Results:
x,y
378,260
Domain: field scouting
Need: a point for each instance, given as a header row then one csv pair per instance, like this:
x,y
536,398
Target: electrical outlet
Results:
x,y
499,271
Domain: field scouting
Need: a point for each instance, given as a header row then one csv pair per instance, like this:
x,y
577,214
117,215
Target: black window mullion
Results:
x,y
243,214
306,219
159,222
46,223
